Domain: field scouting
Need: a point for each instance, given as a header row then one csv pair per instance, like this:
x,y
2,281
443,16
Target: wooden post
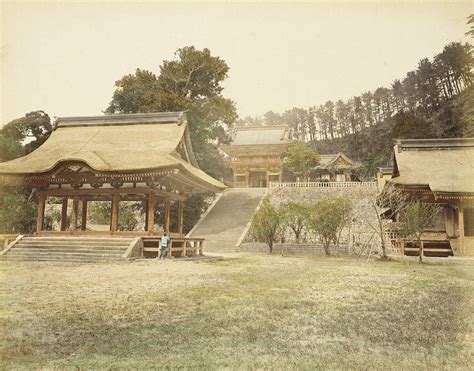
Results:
x,y
247,178
180,217
461,229
75,209
40,215
84,215
150,214
114,213
166,222
146,215
64,214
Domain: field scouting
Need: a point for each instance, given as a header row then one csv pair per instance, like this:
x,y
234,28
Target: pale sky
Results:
x,y
64,58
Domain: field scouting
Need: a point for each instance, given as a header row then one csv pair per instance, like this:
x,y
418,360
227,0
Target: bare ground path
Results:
x,y
243,312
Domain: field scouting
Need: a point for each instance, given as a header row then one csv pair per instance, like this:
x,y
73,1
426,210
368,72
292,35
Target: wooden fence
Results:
x,y
323,184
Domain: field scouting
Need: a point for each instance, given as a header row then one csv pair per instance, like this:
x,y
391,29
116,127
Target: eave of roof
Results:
x,y
115,144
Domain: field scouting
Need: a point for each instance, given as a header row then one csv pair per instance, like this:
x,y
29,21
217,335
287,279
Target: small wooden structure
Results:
x,y
440,171
256,154
335,167
116,158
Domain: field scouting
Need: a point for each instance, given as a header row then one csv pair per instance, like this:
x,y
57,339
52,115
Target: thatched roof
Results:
x,y
257,135
116,143
443,165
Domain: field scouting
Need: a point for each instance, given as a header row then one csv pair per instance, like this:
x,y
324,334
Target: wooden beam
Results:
x,y
40,215
84,215
111,191
114,212
64,214
150,215
75,209
166,222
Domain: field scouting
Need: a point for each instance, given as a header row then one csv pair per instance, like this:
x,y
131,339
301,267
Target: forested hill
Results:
x,y
433,101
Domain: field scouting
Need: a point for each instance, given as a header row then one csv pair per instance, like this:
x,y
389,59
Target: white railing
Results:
x,y
323,184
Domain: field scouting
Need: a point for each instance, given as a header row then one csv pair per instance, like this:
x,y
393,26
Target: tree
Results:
x,y
17,214
327,219
23,135
18,138
389,203
416,218
191,82
294,216
265,223
301,159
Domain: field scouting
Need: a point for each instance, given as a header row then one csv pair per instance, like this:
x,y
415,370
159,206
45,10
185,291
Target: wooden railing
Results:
x,y
323,184
178,247
5,240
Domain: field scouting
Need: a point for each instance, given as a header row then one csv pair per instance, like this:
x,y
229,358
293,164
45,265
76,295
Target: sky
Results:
x,y
64,58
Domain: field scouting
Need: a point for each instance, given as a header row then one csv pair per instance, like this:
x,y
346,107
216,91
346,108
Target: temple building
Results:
x,y
144,158
440,171
256,154
334,168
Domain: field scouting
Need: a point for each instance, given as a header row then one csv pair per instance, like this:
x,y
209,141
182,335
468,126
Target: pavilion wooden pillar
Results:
x,y
150,214
114,213
64,214
75,209
180,217
461,229
40,216
166,223
84,215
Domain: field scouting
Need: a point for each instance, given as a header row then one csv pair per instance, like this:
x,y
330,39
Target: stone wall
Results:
x,y
355,236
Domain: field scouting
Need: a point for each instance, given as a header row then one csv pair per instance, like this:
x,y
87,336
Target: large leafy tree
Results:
x,y
23,135
17,138
301,159
191,82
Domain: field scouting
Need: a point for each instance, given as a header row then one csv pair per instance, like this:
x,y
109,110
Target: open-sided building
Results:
x,y
441,171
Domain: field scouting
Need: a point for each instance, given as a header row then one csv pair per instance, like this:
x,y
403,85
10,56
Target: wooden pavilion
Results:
x,y
131,157
256,154
440,171
336,167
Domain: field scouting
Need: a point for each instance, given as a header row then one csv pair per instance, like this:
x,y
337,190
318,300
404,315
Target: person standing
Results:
x,y
163,246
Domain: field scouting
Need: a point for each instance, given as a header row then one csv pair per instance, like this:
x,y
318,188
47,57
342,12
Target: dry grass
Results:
x,y
252,312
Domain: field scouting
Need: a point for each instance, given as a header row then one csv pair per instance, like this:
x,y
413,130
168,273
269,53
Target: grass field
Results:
x,y
254,311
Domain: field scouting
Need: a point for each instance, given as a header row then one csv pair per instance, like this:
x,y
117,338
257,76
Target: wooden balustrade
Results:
x,y
5,240
178,247
323,184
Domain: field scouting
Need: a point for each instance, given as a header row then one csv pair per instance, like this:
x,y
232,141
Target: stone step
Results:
x,y
35,250
76,241
54,253
226,221
61,259
75,244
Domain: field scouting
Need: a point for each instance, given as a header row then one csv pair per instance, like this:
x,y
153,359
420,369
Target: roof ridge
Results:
x,y
122,119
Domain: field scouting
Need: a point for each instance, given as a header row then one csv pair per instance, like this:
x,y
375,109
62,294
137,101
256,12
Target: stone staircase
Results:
x,y
227,220
68,249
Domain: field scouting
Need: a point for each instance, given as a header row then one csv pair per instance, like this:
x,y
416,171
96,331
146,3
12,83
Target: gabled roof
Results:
x,y
443,165
117,143
332,160
251,135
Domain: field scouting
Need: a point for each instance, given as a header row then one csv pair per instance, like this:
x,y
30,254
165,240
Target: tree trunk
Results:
x,y
270,247
326,249
420,257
